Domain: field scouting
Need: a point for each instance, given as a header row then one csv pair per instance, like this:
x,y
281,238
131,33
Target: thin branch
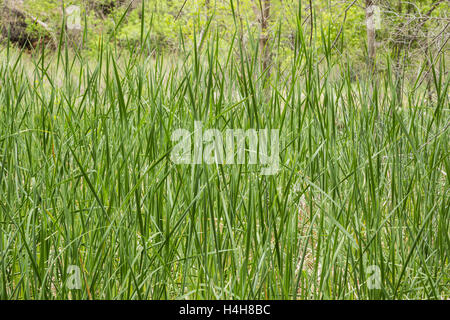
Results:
x,y
181,9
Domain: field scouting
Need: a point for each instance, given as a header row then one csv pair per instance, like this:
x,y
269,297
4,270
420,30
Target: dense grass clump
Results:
x,y
86,178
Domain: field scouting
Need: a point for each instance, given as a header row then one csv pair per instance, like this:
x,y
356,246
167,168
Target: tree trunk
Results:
x,y
370,25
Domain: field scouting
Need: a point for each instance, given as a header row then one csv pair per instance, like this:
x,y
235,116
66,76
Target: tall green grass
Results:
x,y
86,177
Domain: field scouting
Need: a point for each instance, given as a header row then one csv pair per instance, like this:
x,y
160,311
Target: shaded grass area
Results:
x,y
86,179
